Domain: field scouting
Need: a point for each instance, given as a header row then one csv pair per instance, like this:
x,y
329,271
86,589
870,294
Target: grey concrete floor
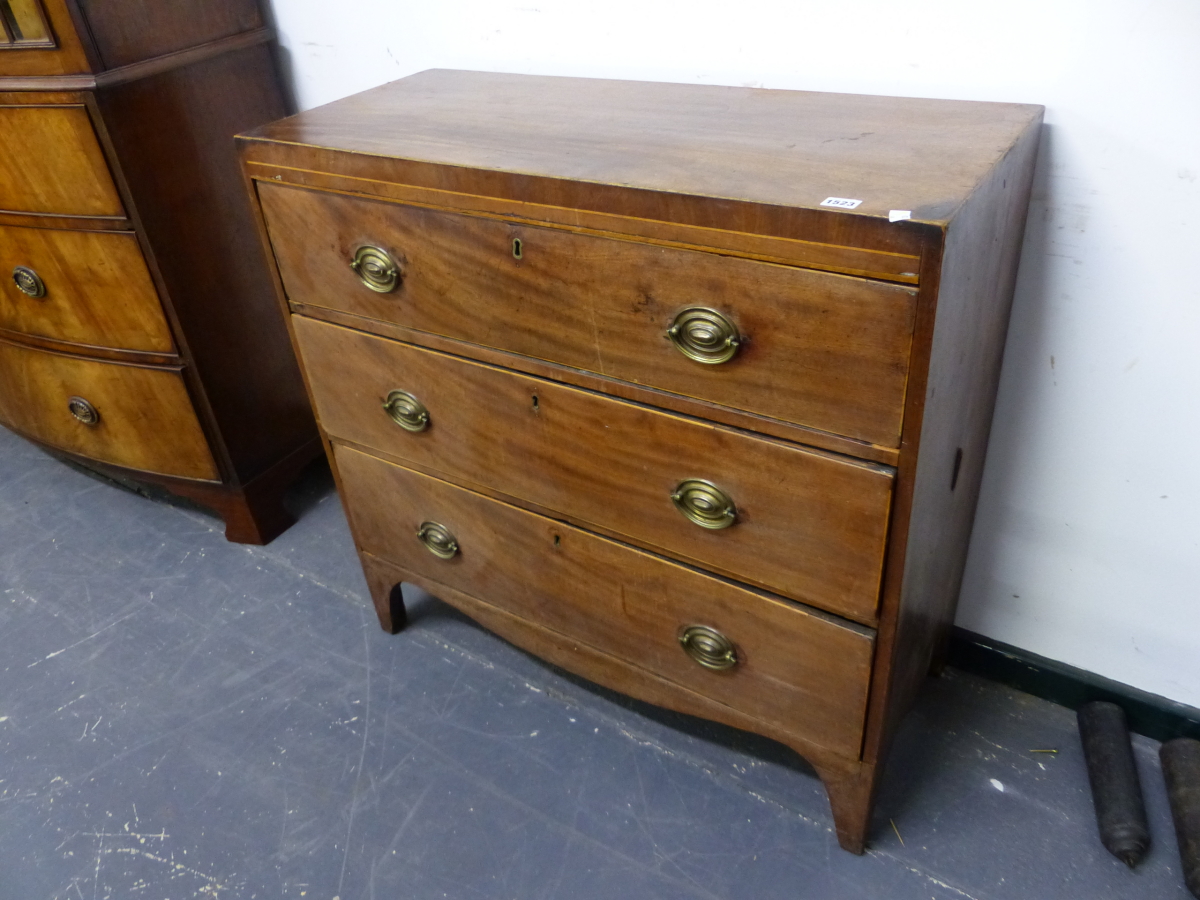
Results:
x,y
185,718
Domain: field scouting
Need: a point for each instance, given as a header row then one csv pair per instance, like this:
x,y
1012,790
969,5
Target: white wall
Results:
x,y
1087,543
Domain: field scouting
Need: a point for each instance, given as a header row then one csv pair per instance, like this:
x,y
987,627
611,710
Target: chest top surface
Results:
x,y
786,148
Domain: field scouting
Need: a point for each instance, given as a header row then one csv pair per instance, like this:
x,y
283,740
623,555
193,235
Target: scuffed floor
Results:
x,y
186,718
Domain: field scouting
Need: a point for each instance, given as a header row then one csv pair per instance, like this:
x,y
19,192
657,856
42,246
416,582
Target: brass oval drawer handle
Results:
x,y
705,504
376,268
705,335
438,540
708,647
406,411
83,411
28,282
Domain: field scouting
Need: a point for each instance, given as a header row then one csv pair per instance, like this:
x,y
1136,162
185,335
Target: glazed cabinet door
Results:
x,y
38,37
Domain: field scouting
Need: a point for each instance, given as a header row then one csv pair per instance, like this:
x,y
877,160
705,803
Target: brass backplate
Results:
x,y
438,540
705,335
376,268
83,411
28,282
708,647
704,503
406,411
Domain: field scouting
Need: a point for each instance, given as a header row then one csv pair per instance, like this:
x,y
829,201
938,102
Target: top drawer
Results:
x,y
51,162
826,351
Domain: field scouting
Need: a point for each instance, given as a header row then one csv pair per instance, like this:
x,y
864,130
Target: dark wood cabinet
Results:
x,y
685,389
138,328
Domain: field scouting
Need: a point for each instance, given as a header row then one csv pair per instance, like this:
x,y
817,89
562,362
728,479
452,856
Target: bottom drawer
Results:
x,y
131,416
771,659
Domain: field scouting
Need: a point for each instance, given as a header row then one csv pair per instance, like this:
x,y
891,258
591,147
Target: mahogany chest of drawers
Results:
x,y
139,332
684,389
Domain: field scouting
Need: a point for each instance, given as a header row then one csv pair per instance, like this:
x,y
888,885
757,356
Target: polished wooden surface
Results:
x,y
613,387
126,32
731,176
66,223
825,351
794,666
98,289
127,128
811,526
205,247
72,180
847,260
146,417
655,213
975,275
784,148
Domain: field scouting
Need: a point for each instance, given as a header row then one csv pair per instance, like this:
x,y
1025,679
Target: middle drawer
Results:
x,y
85,287
806,524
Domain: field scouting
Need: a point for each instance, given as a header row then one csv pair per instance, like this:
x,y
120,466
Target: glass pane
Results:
x,y
23,24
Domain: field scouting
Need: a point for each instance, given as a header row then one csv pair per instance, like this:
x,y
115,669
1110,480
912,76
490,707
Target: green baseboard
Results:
x,y
1149,714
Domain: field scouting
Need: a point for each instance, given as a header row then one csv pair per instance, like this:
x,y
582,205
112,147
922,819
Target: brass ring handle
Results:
x,y
438,540
83,411
376,268
406,411
708,647
705,335
705,504
28,282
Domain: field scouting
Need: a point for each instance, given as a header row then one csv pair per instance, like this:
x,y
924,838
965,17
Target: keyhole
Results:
x,y
557,540
535,403
516,248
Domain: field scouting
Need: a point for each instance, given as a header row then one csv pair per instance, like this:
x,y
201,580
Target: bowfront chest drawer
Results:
x,y
685,389
138,331
74,180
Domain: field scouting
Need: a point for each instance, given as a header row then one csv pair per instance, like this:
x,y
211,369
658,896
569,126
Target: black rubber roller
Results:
x,y
1116,790
1181,769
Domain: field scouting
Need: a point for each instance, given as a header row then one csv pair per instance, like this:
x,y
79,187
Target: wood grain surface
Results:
x,y
812,254
826,351
592,381
962,336
809,525
632,201
180,294
784,148
51,162
126,31
146,418
173,132
657,212
98,289
795,668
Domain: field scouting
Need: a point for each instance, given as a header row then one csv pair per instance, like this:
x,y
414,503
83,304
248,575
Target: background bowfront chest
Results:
x,y
138,327
685,389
